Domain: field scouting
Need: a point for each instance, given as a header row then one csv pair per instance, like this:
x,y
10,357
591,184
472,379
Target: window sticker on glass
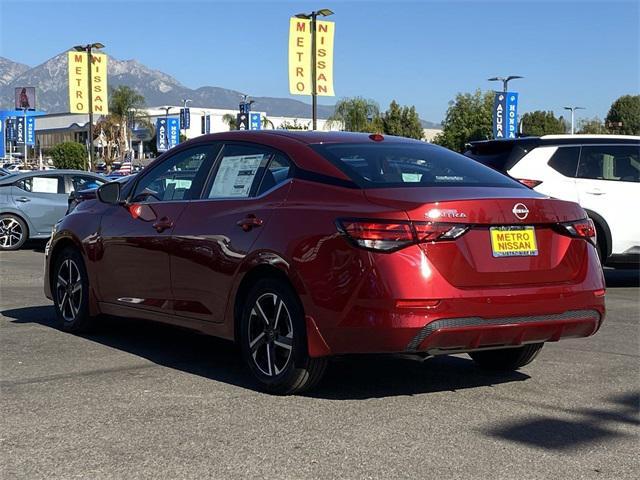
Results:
x,y
45,185
235,176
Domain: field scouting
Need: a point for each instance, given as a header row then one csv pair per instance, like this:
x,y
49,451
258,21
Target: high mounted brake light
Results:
x,y
389,236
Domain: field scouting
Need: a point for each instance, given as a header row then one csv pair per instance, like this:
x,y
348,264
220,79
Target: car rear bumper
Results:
x,y
467,324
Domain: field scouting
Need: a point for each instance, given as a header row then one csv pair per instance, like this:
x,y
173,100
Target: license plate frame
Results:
x,y
527,236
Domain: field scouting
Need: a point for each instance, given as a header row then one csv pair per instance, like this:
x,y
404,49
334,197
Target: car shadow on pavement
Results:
x,y
349,377
587,427
622,278
36,245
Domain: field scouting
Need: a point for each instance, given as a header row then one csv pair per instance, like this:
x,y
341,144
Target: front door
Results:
x,y
136,238
43,201
215,234
607,184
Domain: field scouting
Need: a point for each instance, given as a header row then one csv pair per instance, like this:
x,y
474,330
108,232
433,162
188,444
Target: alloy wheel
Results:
x,y
69,289
270,334
10,232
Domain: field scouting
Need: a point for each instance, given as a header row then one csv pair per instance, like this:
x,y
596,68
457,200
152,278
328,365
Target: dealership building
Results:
x,y
55,128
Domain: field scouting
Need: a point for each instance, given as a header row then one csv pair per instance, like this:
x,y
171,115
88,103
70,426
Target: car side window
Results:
x,y
278,170
610,162
45,184
565,161
238,171
83,182
179,177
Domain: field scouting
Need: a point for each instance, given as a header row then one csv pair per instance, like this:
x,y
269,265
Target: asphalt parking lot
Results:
x,y
139,400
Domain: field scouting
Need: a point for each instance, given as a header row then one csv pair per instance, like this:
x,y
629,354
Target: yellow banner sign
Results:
x,y
79,83
300,57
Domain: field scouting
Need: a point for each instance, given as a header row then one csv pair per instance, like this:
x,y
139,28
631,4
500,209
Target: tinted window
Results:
x,y
500,155
395,165
180,177
278,170
610,162
565,161
83,182
239,171
44,184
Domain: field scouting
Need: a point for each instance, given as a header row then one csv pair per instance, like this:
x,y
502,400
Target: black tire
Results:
x,y
281,337
506,359
13,232
70,288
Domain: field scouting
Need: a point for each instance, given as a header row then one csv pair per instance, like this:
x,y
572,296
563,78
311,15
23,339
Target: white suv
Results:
x,y
600,172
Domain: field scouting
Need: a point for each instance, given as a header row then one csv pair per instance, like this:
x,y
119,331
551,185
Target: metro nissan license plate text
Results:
x,y
513,241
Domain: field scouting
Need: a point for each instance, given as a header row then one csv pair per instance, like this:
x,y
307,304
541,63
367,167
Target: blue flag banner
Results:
x,y
161,135
173,132
11,129
505,115
20,131
185,118
207,124
2,133
254,121
512,115
30,131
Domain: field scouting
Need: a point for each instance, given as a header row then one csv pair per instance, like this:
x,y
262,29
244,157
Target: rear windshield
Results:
x,y
500,155
400,165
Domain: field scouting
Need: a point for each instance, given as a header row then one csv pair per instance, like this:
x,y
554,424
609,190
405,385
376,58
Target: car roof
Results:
x,y
303,136
576,139
44,173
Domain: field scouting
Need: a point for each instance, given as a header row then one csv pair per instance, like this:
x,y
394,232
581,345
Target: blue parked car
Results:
x,y
32,202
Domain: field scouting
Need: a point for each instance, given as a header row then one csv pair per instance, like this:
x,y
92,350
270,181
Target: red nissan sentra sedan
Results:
x,y
304,245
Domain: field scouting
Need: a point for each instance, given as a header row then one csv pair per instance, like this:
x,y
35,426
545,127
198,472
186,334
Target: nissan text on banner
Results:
x,y
78,83
505,115
300,57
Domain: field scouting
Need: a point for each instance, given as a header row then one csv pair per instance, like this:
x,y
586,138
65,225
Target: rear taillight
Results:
x,y
389,236
584,228
529,183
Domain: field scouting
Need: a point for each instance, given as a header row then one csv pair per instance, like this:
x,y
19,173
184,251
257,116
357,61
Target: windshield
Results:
x,y
410,165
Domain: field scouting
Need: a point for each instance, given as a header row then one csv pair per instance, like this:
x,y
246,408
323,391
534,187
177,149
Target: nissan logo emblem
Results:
x,y
520,210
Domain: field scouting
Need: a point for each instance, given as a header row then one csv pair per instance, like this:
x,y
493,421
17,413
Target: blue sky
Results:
x,y
583,53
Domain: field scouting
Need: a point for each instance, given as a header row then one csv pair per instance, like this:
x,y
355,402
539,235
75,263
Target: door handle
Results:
x,y
163,224
250,221
23,199
595,192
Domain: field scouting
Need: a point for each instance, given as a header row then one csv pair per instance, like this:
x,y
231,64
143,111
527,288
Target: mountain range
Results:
x,y
158,88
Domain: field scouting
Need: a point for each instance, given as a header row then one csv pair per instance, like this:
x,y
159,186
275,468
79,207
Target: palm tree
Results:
x,y
230,120
356,114
266,123
125,106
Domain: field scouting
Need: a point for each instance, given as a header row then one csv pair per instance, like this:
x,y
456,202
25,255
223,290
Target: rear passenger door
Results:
x,y
215,233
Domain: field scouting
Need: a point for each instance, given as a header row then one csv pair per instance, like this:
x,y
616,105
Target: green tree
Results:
x,y
540,123
125,111
70,155
402,121
624,115
231,121
592,126
468,118
286,125
356,114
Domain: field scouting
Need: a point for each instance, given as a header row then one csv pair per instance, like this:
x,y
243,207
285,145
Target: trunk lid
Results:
x,y
475,259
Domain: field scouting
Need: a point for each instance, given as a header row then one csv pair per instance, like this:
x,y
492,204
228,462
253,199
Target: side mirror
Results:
x,y
109,193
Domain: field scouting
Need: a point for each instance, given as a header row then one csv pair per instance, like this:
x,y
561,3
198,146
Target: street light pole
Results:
x,y
325,12
88,48
504,80
573,109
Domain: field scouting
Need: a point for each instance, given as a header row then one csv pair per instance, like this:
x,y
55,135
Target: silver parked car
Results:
x,y
32,202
